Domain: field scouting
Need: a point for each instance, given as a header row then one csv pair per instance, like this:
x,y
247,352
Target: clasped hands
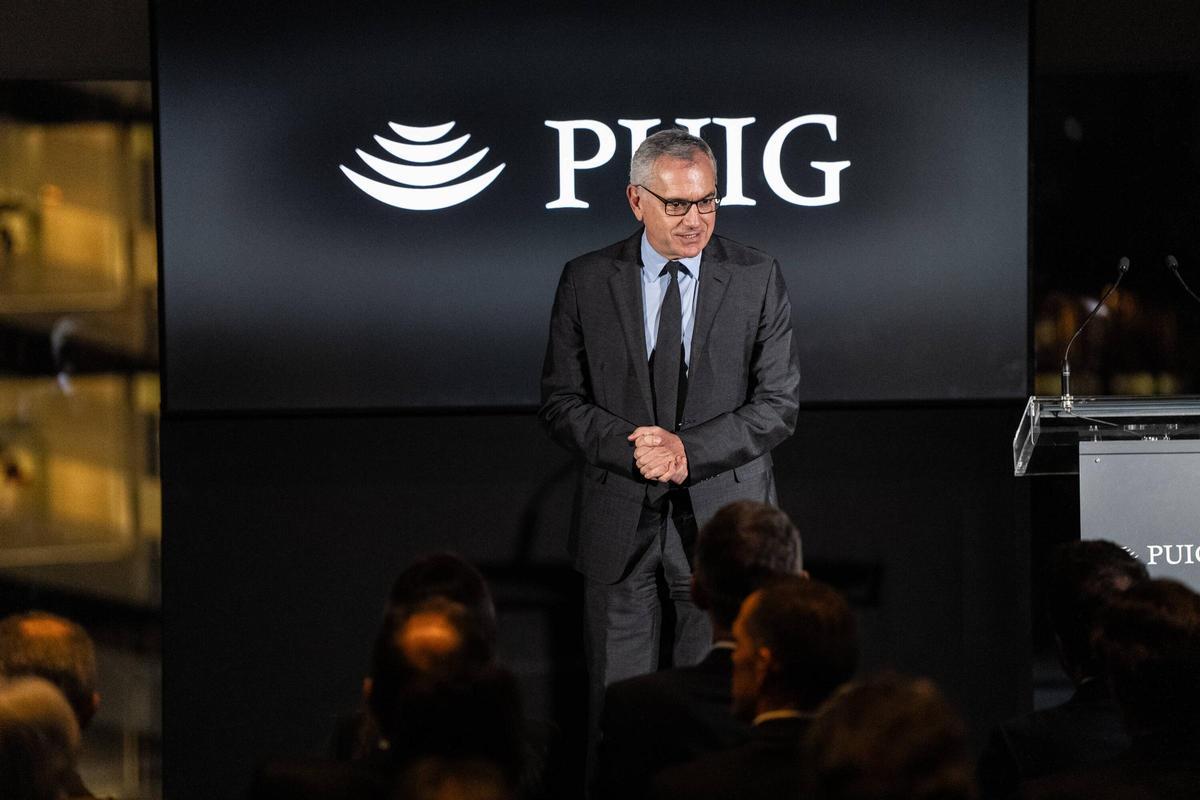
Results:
x,y
659,454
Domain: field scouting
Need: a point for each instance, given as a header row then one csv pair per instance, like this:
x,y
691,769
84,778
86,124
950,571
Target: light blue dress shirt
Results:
x,y
653,287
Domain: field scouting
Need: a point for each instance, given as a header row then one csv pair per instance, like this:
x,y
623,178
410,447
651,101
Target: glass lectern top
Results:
x,y
1047,440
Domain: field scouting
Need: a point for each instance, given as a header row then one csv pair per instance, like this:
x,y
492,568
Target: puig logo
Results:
x,y
424,185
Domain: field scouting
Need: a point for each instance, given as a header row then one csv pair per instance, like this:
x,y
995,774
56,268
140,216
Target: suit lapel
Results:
x,y
714,277
626,287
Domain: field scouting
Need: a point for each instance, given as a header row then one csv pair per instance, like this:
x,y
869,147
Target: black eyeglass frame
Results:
x,y
716,201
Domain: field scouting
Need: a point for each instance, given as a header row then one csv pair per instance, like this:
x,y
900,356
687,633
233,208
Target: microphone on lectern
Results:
x,y
1173,265
1067,400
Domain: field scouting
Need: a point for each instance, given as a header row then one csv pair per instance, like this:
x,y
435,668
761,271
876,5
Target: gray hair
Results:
x,y
673,143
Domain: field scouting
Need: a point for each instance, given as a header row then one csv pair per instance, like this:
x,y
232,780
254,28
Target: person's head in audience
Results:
x,y
47,646
447,576
439,578
795,643
434,639
888,738
742,547
435,690
1149,638
1081,578
39,740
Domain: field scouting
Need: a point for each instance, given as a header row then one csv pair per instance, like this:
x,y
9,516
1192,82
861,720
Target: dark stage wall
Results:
x,y
284,533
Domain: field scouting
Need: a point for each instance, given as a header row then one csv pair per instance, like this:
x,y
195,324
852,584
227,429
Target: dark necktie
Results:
x,y
666,365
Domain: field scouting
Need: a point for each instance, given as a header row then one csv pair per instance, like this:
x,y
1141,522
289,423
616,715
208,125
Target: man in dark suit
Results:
x,y
1082,577
795,644
676,715
671,372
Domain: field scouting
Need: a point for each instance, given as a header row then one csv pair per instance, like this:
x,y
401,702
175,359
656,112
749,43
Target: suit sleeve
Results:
x,y
773,396
569,410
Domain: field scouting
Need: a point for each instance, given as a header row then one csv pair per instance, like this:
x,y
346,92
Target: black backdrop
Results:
x,y
285,287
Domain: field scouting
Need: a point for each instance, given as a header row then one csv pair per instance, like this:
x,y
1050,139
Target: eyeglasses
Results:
x,y
676,207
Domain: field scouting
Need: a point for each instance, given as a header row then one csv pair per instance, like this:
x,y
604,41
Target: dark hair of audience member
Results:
x,y
744,545
888,738
811,633
435,691
1150,640
449,576
1081,577
47,646
39,740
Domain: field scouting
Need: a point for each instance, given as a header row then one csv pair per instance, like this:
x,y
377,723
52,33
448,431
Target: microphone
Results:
x,y
1173,265
1067,401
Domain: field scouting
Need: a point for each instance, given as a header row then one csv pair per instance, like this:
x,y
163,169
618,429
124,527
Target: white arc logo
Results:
x,y
434,180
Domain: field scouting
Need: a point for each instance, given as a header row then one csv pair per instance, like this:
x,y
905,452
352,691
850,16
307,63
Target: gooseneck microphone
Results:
x,y
1067,401
1173,265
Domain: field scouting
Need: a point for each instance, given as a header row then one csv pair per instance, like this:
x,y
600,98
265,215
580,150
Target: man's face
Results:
x,y
676,179
749,663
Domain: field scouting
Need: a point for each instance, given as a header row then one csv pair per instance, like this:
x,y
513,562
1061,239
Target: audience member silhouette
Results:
x,y
888,738
448,576
43,645
435,694
39,741
795,645
440,575
678,714
1150,642
1086,729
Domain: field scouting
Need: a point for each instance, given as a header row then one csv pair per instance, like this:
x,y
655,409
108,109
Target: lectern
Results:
x,y
1138,461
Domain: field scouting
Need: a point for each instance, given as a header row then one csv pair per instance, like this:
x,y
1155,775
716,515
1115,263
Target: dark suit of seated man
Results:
x,y
1086,729
795,644
676,715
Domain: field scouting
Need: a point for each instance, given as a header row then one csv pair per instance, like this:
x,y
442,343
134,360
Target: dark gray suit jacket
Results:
x,y
669,717
770,766
742,397
1086,730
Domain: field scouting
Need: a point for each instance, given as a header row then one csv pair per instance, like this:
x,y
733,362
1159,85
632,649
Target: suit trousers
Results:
x,y
646,620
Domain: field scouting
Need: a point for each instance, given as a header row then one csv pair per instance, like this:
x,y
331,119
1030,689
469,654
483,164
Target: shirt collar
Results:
x,y
652,262
724,644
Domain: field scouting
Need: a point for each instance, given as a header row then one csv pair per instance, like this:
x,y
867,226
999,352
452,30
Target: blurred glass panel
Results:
x,y
80,497
77,236
76,463
66,212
